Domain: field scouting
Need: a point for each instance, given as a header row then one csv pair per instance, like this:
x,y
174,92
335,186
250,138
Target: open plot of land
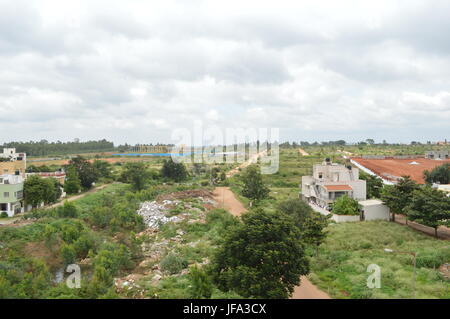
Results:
x,y
341,265
392,169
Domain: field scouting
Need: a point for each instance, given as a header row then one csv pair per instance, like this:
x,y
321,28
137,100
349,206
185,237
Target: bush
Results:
x,y
68,253
3,215
173,264
68,210
201,285
345,205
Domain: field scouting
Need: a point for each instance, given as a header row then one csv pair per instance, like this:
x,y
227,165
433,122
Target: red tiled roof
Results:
x,y
338,187
392,169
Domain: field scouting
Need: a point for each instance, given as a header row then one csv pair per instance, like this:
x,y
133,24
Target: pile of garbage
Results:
x,y
154,213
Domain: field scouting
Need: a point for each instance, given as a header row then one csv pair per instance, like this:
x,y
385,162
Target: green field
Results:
x,y
341,266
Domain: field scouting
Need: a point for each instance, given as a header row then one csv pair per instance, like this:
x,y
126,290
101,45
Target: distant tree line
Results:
x,y
44,147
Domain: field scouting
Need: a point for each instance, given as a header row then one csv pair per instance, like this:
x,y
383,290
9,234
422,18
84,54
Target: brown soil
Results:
x,y
226,199
392,168
38,250
250,161
307,290
302,151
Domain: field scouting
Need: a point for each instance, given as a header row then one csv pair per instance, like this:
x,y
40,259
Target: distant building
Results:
x,y
13,163
373,209
443,187
438,155
60,176
11,194
330,181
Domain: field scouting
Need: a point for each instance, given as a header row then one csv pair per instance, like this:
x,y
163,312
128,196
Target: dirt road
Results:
x,y
95,189
226,199
307,290
251,160
17,220
302,151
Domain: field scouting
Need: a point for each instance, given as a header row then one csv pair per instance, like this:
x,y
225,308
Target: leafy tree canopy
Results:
x,y
254,187
262,257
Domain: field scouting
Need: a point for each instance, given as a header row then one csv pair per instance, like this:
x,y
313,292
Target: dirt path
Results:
x,y
17,221
251,160
307,290
226,199
302,151
70,199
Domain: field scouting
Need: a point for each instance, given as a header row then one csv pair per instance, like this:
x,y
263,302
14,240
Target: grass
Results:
x,y
341,266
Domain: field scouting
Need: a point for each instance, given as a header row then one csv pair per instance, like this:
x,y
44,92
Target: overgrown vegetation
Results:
x,y
341,266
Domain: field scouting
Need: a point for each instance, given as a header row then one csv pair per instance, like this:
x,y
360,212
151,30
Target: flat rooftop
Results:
x,y
392,169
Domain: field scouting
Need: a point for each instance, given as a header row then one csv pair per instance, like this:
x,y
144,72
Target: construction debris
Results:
x,y
154,213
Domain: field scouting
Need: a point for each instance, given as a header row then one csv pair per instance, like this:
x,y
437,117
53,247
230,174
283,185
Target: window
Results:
x,y
320,175
6,194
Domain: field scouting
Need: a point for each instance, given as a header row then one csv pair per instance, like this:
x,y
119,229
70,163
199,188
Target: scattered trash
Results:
x,y
154,213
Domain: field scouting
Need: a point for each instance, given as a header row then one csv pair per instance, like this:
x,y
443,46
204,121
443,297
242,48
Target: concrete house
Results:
x,y
330,181
13,163
439,155
11,194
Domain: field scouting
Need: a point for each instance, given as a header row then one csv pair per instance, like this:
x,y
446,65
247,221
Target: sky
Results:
x,y
135,71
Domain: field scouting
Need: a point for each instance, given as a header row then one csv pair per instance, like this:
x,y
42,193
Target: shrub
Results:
x,y
345,205
3,215
68,253
173,263
68,210
201,285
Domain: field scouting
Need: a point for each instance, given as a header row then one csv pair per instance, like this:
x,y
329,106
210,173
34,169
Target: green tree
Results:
x,y
254,187
373,183
439,174
345,205
36,190
102,169
85,170
262,257
72,184
201,285
310,223
136,174
429,207
398,196
174,171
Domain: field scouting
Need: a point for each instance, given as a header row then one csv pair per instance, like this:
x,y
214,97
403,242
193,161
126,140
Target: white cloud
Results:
x,y
132,72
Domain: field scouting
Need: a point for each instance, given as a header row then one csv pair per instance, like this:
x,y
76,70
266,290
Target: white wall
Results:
x,y
345,218
374,212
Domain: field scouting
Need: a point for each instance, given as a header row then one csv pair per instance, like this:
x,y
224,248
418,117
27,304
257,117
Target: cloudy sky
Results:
x,y
134,71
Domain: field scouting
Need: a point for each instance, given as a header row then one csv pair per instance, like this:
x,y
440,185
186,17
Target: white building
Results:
x,y
330,181
11,154
11,194
373,209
